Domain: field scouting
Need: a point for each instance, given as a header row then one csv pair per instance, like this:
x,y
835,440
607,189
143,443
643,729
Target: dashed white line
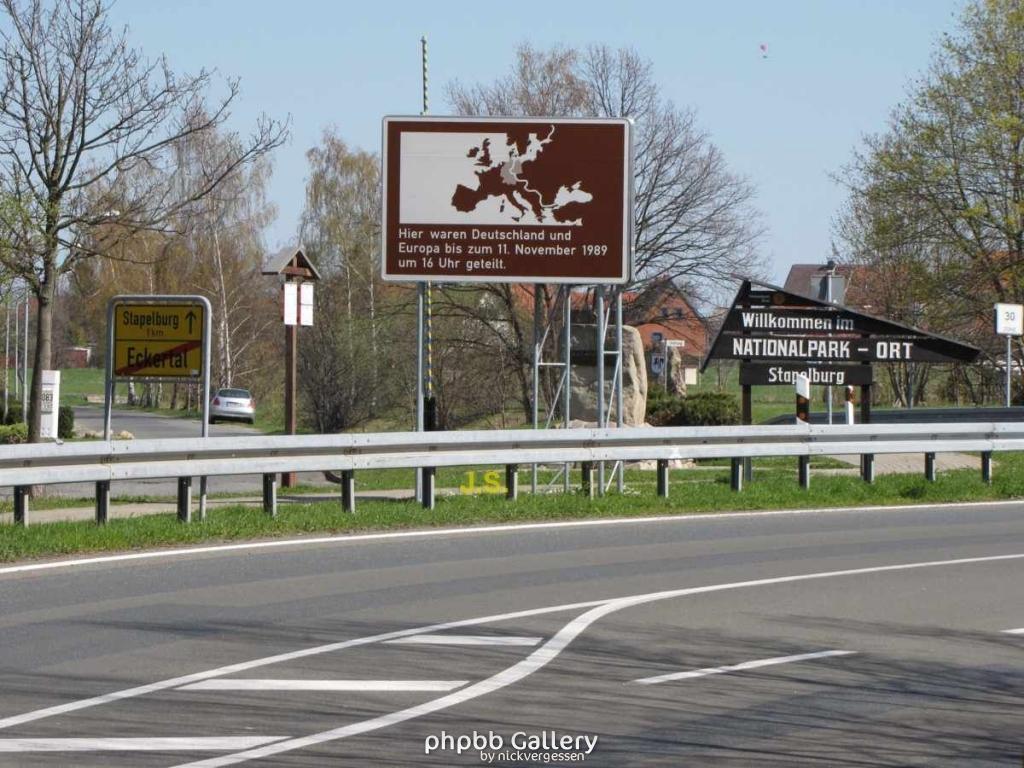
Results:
x,y
149,744
755,664
465,640
391,686
1014,631
548,652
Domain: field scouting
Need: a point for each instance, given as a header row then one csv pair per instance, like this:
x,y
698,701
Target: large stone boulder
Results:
x,y
675,375
583,377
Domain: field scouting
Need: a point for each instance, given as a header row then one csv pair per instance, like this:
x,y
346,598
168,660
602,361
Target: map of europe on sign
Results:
x,y
543,199
518,177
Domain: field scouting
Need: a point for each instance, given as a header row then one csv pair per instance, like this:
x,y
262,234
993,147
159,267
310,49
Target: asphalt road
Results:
x,y
829,639
144,425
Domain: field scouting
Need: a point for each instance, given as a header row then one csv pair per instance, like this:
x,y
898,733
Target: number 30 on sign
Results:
x,y
1010,319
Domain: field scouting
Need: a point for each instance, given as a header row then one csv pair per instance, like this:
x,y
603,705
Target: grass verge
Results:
x,y
691,492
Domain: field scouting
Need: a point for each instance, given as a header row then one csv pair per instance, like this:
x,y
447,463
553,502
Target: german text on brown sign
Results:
x,y
507,200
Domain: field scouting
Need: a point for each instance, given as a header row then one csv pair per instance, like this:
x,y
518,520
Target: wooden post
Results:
x,y
748,418
291,338
867,461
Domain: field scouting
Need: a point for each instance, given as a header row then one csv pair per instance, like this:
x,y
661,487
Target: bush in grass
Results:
x,y
66,422
661,405
13,433
65,419
14,414
706,409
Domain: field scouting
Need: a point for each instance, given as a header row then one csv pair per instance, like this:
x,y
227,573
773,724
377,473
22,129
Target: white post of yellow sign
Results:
x,y
158,338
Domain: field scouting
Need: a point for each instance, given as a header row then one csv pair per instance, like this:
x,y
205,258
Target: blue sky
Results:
x,y
835,69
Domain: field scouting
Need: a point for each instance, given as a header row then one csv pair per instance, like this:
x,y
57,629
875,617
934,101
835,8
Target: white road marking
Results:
x,y
1014,631
148,744
756,664
476,530
549,652
244,666
236,684
465,640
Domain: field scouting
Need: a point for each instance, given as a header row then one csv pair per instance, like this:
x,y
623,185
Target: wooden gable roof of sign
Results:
x,y
760,296
291,262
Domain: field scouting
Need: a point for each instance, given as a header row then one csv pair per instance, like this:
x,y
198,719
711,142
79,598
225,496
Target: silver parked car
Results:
x,y
232,404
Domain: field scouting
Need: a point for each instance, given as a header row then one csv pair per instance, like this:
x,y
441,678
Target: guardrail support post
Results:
x,y
21,504
662,478
429,474
929,467
185,499
736,473
102,501
804,471
867,467
348,490
587,482
986,467
270,495
512,481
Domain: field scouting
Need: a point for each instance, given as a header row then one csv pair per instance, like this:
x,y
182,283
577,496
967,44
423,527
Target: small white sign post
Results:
x,y
1009,323
50,406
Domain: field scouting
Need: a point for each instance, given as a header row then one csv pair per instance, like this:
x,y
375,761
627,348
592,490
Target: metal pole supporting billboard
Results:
x,y
567,371
537,312
602,419
619,398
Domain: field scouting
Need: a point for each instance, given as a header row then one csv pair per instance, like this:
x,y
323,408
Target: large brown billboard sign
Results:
x,y
507,200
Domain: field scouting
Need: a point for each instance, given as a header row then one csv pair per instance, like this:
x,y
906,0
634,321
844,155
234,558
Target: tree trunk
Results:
x,y
42,360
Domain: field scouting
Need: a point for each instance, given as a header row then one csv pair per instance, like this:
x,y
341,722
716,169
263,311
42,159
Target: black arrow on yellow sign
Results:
x,y
191,316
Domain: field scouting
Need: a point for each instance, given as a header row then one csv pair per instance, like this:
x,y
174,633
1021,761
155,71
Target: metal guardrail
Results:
x,y
103,462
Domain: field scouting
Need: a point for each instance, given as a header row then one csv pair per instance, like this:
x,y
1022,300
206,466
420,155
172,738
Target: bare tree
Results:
x,y
347,371
87,132
693,219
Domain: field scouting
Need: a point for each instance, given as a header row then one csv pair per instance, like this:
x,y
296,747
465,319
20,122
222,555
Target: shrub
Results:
x,y
706,409
66,422
65,419
14,414
661,406
13,433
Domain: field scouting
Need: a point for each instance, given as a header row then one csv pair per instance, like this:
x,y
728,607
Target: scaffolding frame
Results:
x,y
607,397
